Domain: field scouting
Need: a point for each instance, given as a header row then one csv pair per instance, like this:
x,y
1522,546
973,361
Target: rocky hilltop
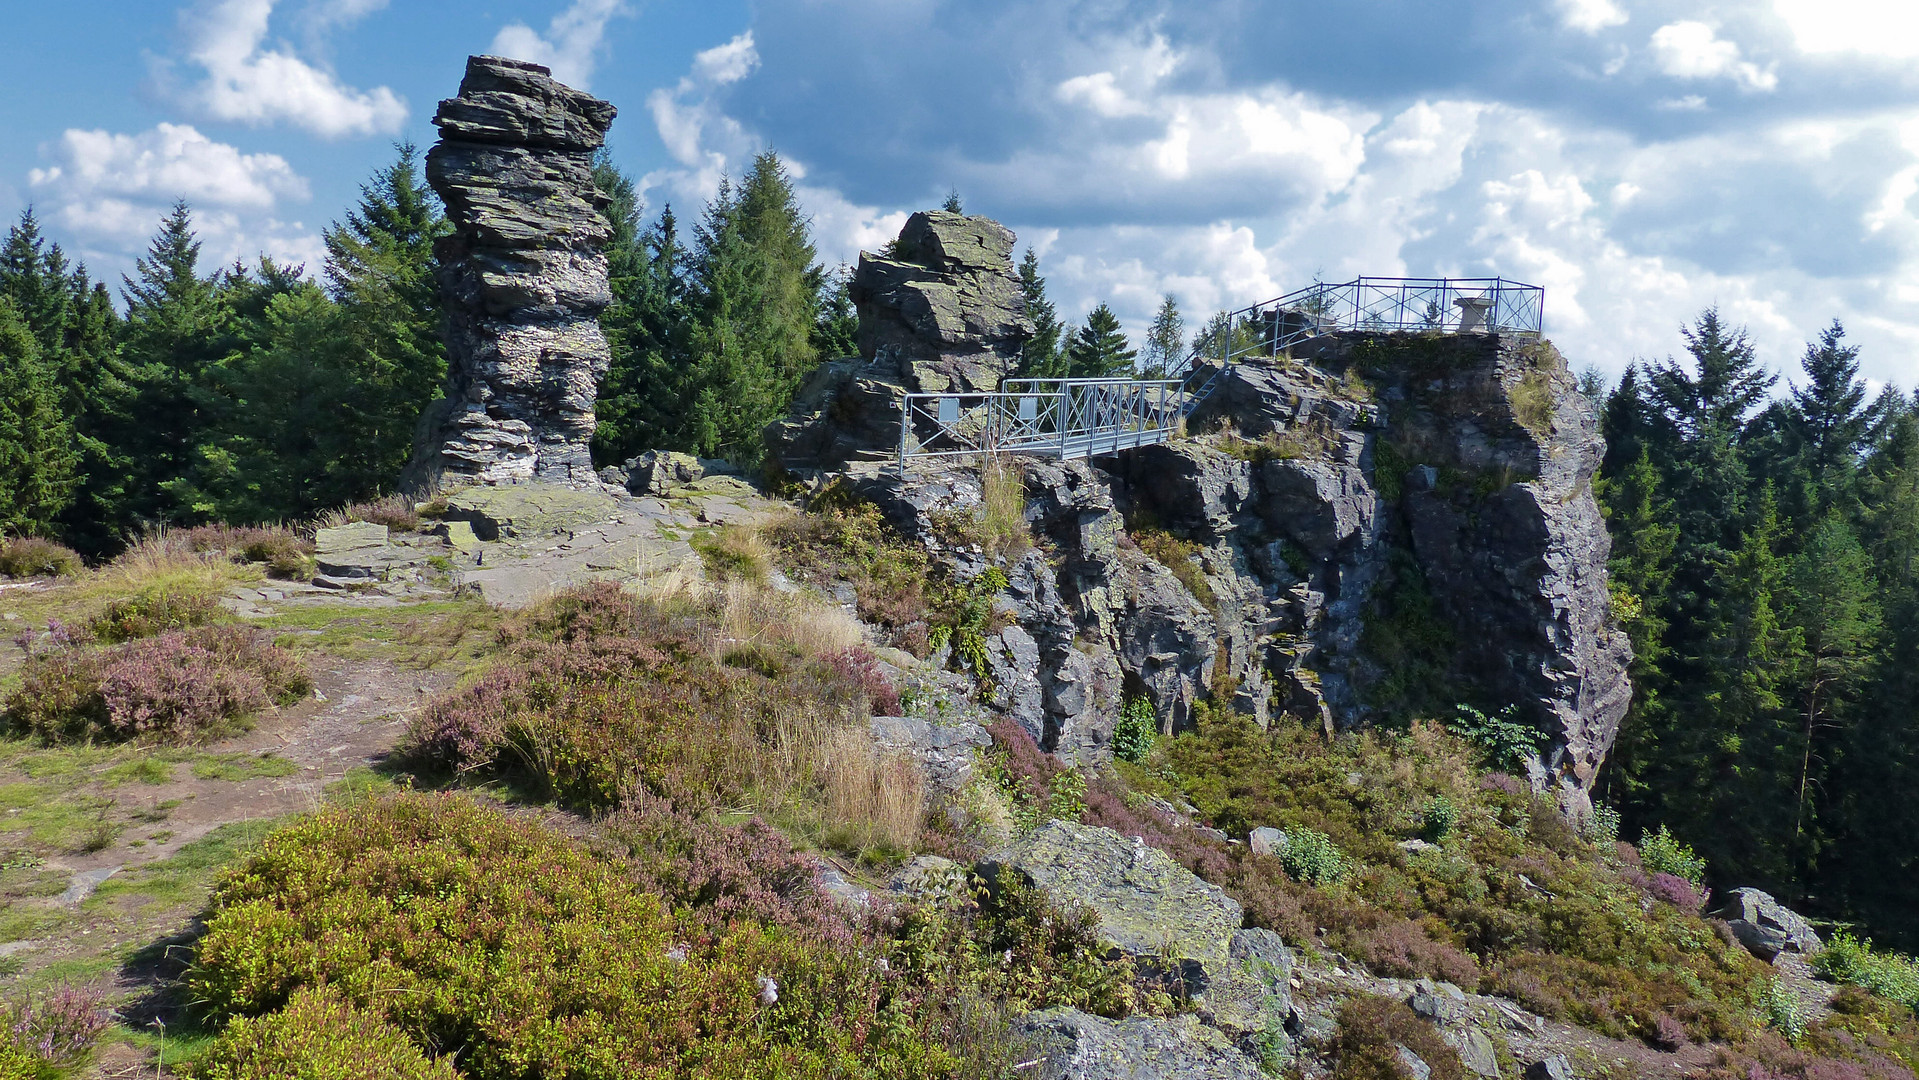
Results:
x,y
1378,524
523,279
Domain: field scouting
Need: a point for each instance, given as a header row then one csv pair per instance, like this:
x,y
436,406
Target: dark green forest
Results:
x,y
1765,533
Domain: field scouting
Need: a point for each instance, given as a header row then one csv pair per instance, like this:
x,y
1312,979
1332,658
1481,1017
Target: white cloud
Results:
x,y
1693,50
249,82
1870,27
171,161
572,45
1590,16
110,190
705,143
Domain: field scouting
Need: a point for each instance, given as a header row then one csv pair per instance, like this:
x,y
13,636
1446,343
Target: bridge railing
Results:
x,y
1051,417
1442,305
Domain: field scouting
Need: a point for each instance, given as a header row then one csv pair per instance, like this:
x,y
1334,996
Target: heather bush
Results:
x,y
319,1035
182,686
57,1031
1371,1031
709,701
32,556
1677,891
396,512
691,950
284,552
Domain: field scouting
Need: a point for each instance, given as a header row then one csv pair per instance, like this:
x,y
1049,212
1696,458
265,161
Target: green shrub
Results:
x,y
1310,856
841,540
1780,1009
1849,960
1136,731
319,1035
31,556
1602,828
732,553
1662,853
1438,818
1505,740
154,611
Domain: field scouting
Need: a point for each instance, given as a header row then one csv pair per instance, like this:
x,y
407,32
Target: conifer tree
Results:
x,y
1165,341
1099,348
1830,419
37,458
1040,355
175,332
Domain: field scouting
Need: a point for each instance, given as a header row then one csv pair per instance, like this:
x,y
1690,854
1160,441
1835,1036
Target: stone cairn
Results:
x,y
944,313
524,279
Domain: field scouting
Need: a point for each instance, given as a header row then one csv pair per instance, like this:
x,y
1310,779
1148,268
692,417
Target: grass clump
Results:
x,y
997,527
1182,558
396,512
725,700
1532,401
32,556
181,686
153,611
732,553
841,541
322,1035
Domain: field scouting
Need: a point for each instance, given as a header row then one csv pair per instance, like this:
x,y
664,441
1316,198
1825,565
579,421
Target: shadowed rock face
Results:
x,y
524,278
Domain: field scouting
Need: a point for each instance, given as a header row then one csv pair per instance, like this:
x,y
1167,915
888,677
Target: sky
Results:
x,y
1639,160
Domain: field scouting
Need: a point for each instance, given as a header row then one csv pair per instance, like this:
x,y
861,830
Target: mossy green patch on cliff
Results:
x,y
1410,643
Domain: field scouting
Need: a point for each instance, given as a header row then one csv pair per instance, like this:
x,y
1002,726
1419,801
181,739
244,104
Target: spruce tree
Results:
x,y
1834,604
175,332
1830,419
1040,355
1165,341
1099,349
37,457
836,330
755,301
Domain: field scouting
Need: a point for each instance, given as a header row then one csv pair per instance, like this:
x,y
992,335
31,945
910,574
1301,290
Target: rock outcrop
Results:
x,y
523,276
943,312
1402,524
1070,1045
1767,927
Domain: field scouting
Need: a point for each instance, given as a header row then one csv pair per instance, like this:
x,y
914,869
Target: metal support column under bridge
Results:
x,y
1077,418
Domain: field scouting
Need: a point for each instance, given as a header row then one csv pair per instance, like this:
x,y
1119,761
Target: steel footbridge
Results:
x,y
1080,418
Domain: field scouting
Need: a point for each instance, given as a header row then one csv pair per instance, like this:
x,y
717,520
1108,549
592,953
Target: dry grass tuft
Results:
x,y
876,800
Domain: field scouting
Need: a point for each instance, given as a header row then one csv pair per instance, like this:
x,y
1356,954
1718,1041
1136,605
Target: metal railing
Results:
x,y
1063,418
1382,305
1076,418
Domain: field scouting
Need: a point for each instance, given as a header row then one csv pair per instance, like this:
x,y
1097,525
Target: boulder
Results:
x,y
523,279
1071,1045
1552,1068
1150,908
1767,927
359,551
658,472
1266,840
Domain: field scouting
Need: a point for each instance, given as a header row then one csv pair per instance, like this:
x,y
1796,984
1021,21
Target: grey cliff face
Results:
x,y
945,312
524,277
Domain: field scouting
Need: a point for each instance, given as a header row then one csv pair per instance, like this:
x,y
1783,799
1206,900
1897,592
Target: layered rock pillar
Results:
x,y
943,312
523,279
